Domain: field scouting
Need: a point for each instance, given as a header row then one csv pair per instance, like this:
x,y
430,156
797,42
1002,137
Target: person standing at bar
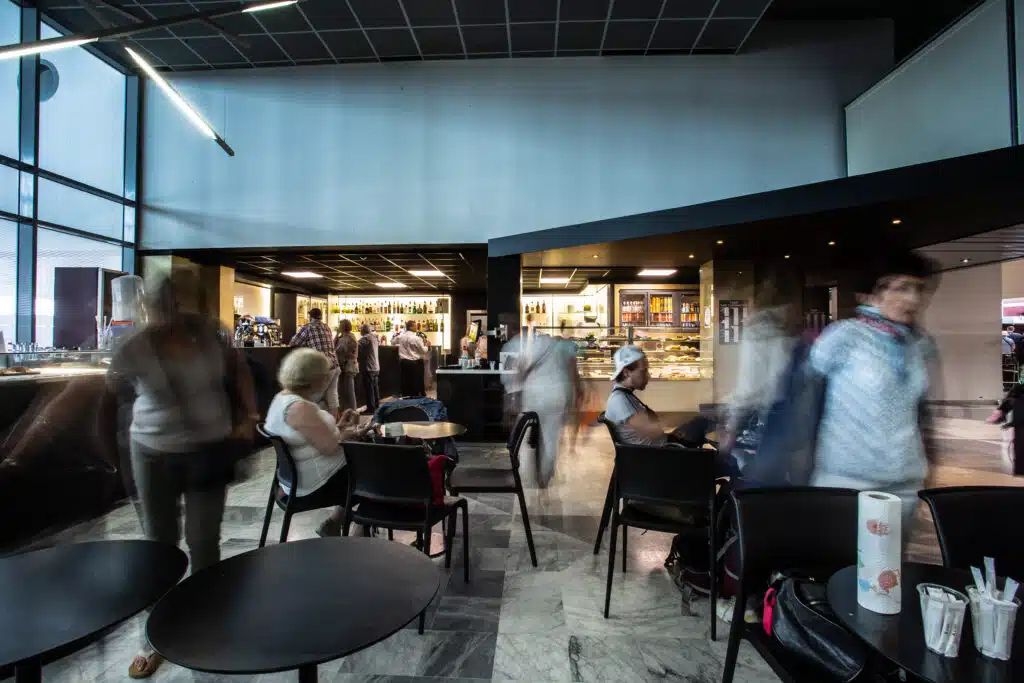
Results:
x,y
317,335
369,367
345,346
411,352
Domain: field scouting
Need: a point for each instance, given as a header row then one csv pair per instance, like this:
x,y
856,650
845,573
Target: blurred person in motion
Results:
x,y
369,367
548,383
411,352
192,419
346,347
313,435
317,335
877,370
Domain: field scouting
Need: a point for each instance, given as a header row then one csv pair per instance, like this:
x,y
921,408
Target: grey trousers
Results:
x,y
330,397
161,481
347,391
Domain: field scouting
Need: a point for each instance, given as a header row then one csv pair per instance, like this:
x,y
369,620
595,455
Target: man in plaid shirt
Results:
x,y
317,335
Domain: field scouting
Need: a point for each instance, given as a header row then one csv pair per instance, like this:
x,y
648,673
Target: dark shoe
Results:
x,y
329,527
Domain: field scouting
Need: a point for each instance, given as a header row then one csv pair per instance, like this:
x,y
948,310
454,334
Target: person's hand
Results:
x,y
348,418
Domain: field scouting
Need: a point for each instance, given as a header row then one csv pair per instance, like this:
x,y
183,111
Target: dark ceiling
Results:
x,y
358,271
334,31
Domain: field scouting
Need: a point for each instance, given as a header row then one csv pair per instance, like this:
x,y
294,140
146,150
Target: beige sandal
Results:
x,y
144,666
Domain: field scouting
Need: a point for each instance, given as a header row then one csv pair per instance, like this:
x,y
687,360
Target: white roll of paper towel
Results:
x,y
879,552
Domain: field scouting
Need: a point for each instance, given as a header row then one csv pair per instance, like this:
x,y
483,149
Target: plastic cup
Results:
x,y
942,635
993,621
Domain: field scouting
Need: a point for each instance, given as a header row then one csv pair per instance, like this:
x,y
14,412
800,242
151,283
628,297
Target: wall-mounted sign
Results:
x,y
732,315
1013,311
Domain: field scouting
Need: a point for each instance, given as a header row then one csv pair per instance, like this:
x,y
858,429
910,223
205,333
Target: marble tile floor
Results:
x,y
514,622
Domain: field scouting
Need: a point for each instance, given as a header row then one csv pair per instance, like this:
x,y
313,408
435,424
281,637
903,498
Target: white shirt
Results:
x,y
410,346
313,467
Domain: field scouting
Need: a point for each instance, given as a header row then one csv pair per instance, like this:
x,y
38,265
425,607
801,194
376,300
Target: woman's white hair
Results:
x,y
303,369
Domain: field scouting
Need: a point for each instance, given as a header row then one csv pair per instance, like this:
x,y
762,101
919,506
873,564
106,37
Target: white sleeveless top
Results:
x,y
313,467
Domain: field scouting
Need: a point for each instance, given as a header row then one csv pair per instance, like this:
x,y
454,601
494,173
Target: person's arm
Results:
x,y
301,337
645,425
305,418
421,348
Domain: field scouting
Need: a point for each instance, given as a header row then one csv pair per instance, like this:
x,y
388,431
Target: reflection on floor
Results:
x,y
514,622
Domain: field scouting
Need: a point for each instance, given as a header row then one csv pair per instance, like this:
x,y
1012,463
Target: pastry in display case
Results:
x,y
52,364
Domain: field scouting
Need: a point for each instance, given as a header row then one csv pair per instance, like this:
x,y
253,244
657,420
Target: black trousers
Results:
x,y
411,378
371,390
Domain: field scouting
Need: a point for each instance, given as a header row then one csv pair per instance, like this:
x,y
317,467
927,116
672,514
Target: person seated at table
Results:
x,y
312,434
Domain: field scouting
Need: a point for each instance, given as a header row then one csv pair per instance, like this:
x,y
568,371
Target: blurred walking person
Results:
x,y
369,367
346,346
317,335
192,419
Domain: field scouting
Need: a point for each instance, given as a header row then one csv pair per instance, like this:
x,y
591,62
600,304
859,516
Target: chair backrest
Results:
x,y
392,474
664,475
974,522
518,436
796,528
613,430
287,472
407,414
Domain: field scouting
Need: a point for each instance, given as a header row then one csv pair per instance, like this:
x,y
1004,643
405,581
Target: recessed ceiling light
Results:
x,y
263,6
787,256
594,256
832,244
657,272
691,256
390,285
965,260
897,221
720,242
301,274
554,280
426,273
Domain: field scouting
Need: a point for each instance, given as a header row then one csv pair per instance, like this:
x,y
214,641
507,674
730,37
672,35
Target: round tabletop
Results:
x,y
58,598
421,430
900,637
292,605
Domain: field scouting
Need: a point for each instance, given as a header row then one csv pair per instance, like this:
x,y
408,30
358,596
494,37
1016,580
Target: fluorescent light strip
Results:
x,y
45,46
390,285
301,274
657,272
269,5
426,273
554,280
191,114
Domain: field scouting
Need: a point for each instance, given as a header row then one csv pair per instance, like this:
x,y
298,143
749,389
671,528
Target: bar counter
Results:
x,y
474,398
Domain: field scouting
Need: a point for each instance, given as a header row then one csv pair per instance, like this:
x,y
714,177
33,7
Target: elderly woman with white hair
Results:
x,y
312,435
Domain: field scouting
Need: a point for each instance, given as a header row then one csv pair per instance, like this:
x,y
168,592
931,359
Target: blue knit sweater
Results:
x,y
876,376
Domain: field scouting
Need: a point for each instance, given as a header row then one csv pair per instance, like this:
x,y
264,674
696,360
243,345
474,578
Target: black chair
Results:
x,y
287,474
682,478
609,499
975,522
390,488
501,480
810,529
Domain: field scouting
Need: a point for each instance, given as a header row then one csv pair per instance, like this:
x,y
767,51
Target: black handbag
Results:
x,y
804,625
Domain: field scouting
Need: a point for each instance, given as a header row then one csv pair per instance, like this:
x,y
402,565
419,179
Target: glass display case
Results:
x,y
672,352
659,308
22,365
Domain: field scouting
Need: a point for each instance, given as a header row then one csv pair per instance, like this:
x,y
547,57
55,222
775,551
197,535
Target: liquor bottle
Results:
x,y
526,308
442,325
544,307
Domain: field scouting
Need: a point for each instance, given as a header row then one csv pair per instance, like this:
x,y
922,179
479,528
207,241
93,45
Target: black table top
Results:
x,y
421,430
292,604
900,637
57,598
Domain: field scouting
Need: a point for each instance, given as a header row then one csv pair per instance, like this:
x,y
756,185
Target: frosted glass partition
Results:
x,y
951,99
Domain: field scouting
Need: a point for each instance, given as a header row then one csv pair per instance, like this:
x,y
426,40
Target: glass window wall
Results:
x,y
10,32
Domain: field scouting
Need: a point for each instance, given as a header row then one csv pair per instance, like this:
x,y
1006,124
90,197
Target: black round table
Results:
x,y
292,606
57,600
900,637
421,430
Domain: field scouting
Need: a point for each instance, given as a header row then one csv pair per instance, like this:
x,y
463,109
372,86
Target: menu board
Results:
x,y
732,315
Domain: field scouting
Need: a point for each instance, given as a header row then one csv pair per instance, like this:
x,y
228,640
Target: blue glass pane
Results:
x,y
129,224
81,123
10,32
8,189
8,278
73,208
58,250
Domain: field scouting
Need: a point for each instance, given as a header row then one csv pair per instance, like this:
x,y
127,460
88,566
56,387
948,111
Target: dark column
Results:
x,y
504,287
28,143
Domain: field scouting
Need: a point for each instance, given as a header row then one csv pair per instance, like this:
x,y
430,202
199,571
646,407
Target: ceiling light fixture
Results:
x,y
691,256
48,45
269,5
390,285
301,274
786,256
178,101
426,273
897,221
594,256
554,280
720,242
965,260
657,272
832,244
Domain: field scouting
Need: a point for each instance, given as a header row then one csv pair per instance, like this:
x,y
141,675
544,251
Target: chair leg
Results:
x,y
606,514
426,541
423,620
714,578
465,540
526,525
732,650
270,513
284,526
391,534
611,564
449,538
625,546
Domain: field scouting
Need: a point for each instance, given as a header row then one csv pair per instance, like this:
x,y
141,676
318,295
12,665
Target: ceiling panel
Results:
x,y
315,31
